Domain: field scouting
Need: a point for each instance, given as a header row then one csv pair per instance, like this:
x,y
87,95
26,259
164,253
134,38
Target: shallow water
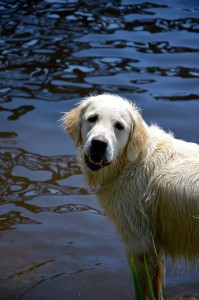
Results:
x,y
55,241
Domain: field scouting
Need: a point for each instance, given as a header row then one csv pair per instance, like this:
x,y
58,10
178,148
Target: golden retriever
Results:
x,y
147,182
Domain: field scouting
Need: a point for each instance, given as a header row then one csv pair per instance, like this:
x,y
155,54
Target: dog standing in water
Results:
x,y
146,181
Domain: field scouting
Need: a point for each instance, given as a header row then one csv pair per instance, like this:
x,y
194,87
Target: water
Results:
x,y
55,241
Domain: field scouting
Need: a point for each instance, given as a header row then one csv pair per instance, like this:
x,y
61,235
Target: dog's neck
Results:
x,y
95,180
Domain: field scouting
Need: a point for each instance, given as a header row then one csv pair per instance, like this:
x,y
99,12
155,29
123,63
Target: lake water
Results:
x,y
55,242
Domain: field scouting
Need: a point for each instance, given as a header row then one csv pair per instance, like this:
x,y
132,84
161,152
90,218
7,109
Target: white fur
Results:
x,y
150,190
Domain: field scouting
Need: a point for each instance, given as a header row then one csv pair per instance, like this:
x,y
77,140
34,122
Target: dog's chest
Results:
x,y
121,201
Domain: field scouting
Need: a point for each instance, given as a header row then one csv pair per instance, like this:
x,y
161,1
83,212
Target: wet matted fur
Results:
x,y
146,181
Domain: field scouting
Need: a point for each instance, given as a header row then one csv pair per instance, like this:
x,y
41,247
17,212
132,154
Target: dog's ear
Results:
x,y
138,136
72,124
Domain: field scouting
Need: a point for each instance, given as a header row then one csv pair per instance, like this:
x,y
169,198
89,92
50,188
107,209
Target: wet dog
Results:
x,y
146,180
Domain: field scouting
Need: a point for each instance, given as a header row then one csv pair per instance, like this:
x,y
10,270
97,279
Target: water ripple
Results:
x,y
55,34
25,176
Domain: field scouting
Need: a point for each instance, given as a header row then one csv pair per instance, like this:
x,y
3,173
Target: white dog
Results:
x,y
146,180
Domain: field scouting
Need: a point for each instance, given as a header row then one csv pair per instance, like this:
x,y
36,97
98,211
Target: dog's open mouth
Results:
x,y
95,162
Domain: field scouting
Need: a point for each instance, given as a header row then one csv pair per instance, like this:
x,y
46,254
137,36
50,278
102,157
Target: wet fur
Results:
x,y
150,192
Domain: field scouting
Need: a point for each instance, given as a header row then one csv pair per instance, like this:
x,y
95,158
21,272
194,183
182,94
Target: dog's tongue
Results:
x,y
96,159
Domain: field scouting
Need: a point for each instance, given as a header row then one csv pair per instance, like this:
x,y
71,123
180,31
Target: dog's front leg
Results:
x,y
148,274
158,278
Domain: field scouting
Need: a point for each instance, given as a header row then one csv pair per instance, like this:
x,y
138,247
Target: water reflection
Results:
x,y
51,44
17,112
52,53
25,176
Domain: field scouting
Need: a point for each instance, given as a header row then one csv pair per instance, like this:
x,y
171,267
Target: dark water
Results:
x,y
54,241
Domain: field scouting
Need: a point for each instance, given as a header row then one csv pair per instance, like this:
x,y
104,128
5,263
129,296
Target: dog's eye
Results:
x,y
92,119
119,126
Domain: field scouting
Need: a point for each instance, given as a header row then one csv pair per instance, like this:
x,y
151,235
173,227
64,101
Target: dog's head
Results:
x,y
104,127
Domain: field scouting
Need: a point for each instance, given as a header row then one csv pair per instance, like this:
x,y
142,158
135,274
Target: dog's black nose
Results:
x,y
99,145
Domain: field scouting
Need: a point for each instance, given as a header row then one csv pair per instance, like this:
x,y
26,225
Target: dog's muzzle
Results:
x,y
95,156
